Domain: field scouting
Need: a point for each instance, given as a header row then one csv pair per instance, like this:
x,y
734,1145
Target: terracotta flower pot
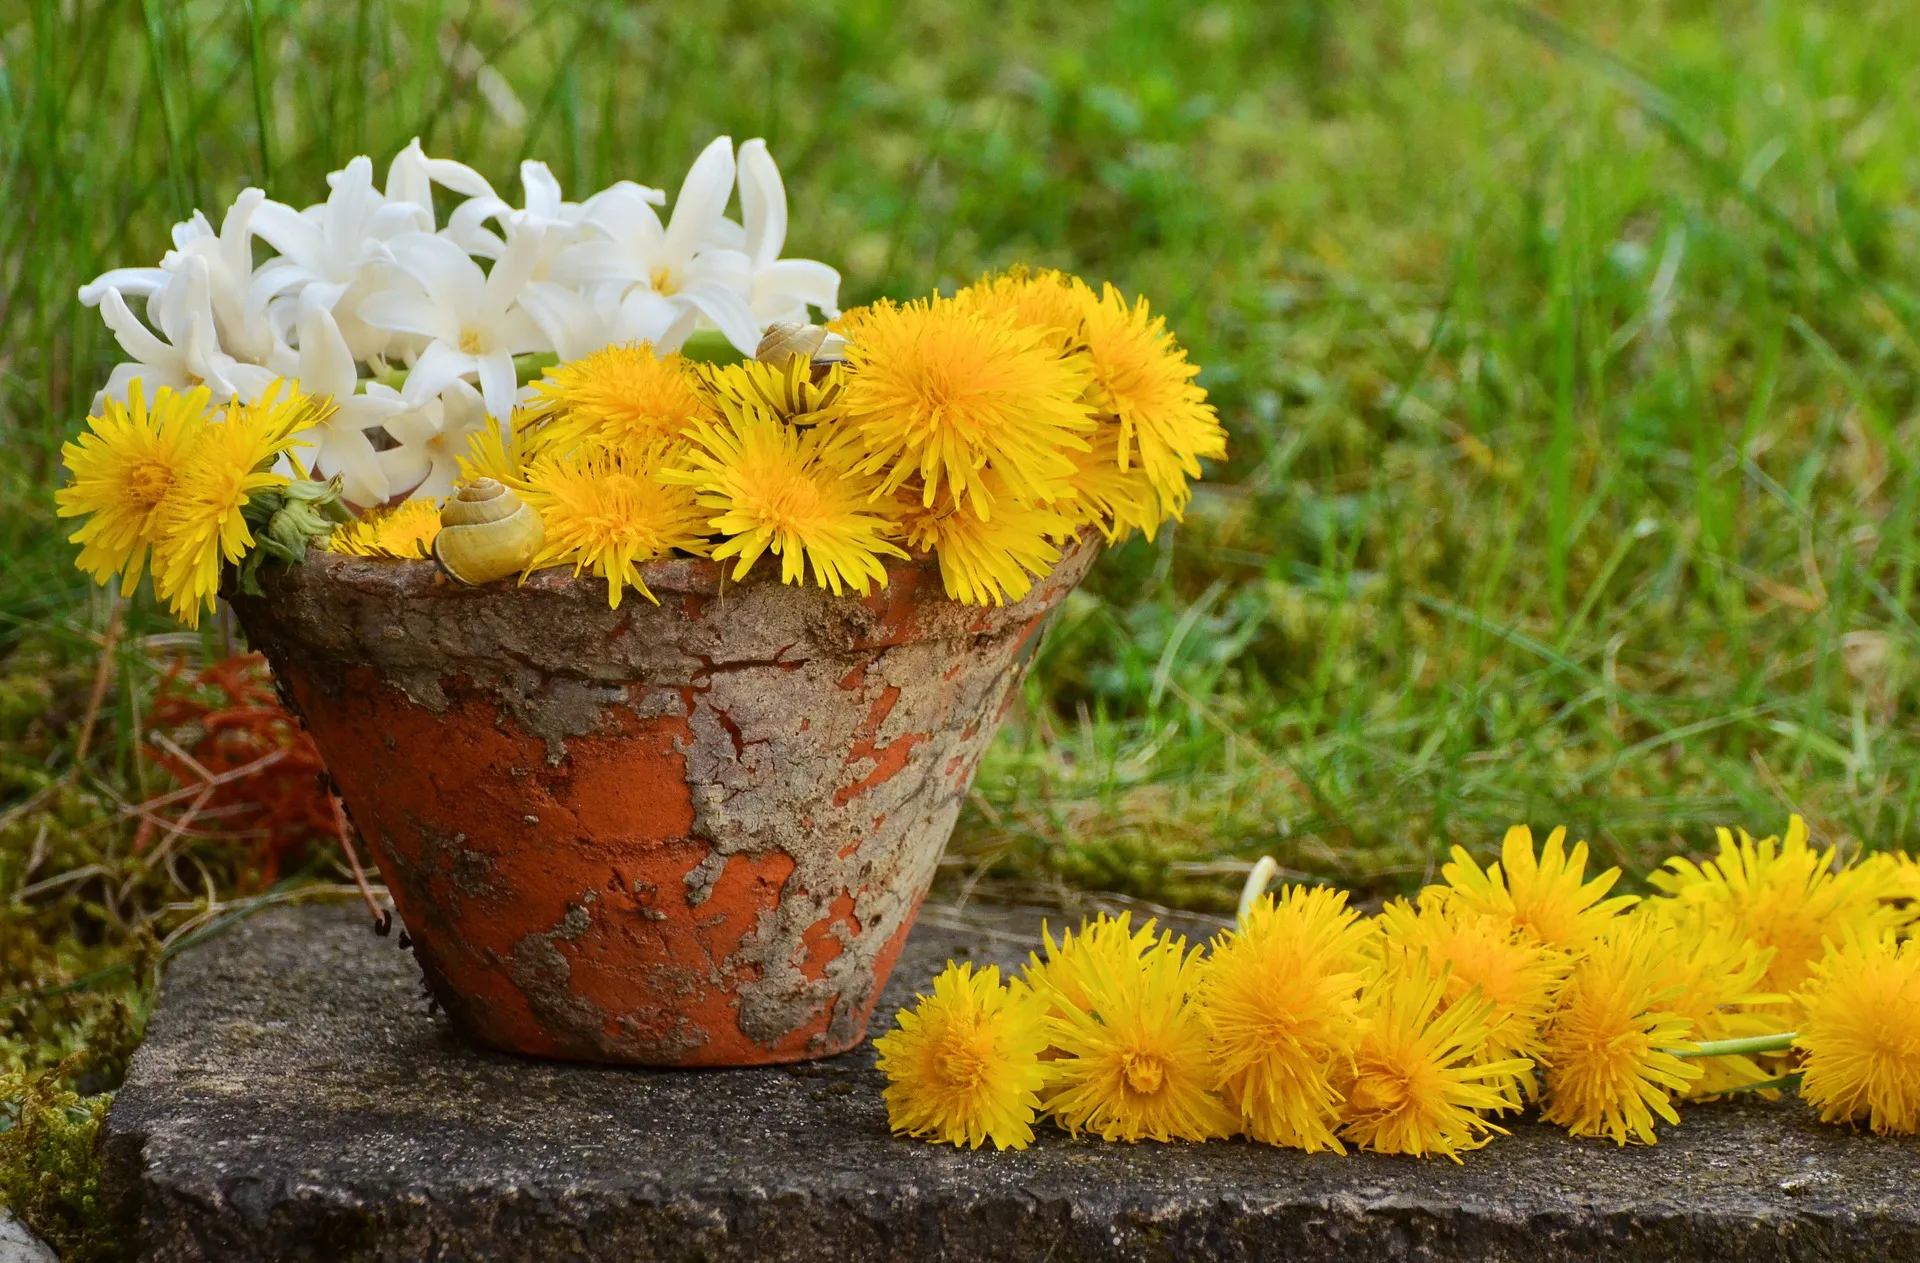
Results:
x,y
691,834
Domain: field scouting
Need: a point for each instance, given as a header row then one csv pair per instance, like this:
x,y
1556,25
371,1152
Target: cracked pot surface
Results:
x,y
685,834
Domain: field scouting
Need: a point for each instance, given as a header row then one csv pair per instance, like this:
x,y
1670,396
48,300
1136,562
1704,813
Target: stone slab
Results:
x,y
296,1100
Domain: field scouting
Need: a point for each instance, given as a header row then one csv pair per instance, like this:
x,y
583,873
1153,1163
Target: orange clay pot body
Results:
x,y
690,834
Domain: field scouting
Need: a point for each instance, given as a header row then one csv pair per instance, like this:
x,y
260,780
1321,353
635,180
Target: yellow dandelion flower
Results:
x,y
607,510
1718,984
1142,378
942,392
199,526
1105,493
1111,940
1894,876
121,470
1608,1068
1783,895
794,492
405,532
504,457
1134,1062
1517,976
1860,1034
1049,301
617,395
1280,999
985,562
797,391
1420,1076
963,1064
1548,896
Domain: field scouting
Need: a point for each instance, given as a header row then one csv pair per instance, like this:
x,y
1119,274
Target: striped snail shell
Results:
x,y
487,532
784,339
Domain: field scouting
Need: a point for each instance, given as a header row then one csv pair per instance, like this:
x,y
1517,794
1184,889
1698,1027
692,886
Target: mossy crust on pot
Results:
x,y
685,834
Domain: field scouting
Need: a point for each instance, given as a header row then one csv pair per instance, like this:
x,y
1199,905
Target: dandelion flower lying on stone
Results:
x,y
1113,941
1133,1056
1517,977
1717,976
1280,998
1860,1034
1420,1082
963,1064
1783,894
1609,1071
1548,896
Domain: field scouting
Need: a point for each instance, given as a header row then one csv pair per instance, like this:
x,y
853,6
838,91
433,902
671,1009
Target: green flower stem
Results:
x,y
1738,1047
528,367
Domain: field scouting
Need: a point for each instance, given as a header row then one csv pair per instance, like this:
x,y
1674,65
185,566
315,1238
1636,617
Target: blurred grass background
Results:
x,y
1569,363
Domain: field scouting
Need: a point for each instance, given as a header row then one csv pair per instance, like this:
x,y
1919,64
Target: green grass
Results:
x,y
1570,372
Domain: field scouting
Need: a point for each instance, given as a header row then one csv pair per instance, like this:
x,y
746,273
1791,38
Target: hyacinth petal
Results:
x,y
438,367
763,203
326,366
728,311
401,312
139,282
702,199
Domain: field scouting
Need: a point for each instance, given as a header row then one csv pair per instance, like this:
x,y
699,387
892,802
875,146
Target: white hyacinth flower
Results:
x,y
411,177
340,444
330,255
472,320
668,278
186,351
436,436
229,258
782,289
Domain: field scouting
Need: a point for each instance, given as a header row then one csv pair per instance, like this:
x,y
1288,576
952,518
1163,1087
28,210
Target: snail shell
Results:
x,y
784,339
487,532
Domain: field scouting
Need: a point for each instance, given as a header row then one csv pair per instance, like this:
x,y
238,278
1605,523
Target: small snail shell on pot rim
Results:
x,y
486,533
784,338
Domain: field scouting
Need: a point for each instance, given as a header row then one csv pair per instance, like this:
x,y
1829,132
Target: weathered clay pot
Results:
x,y
691,834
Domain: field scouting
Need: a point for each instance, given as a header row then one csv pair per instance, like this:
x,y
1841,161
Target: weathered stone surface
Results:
x,y
296,1100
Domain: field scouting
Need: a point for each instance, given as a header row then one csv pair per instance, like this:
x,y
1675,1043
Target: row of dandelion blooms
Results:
x,y
644,389
1768,968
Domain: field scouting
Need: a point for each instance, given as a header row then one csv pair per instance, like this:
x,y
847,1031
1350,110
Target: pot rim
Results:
x,y
682,576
